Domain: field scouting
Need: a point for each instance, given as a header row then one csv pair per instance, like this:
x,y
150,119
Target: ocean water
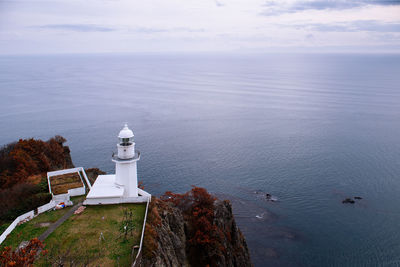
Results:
x,y
309,129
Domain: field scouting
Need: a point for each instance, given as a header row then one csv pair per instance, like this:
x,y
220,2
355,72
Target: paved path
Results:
x,y
54,226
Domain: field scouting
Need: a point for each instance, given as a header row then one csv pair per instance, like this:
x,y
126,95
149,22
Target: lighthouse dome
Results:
x,y
125,132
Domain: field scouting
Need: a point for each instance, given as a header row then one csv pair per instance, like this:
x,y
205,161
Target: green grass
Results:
x,y
78,199
78,238
4,226
31,229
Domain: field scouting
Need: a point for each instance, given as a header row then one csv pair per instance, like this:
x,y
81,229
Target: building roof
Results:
x,y
105,187
125,132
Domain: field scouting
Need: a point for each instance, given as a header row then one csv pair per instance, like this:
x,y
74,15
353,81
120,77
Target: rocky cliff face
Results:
x,y
67,164
170,232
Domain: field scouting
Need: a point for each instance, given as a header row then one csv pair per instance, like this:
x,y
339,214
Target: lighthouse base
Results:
x,y
105,191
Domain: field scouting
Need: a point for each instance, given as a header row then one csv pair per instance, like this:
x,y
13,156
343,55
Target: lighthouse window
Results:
x,y
125,141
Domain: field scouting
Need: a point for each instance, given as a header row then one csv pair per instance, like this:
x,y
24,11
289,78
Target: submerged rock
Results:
x,y
270,197
348,200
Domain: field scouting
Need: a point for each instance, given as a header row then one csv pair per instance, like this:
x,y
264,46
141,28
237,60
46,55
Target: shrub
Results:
x,y
153,221
204,237
22,257
29,157
19,161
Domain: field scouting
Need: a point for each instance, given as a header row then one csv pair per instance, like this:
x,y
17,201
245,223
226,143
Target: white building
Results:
x,y
121,187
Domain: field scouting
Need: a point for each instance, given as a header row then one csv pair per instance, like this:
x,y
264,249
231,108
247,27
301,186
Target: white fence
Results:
x,y
56,199
137,260
46,207
26,217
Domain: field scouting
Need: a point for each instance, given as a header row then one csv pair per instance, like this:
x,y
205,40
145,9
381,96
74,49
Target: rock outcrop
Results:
x,y
170,237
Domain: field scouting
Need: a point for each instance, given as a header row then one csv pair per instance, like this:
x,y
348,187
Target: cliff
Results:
x,y
193,232
191,229
23,167
22,160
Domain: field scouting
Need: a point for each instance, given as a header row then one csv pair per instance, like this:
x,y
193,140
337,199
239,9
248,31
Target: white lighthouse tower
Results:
x,y
121,187
125,163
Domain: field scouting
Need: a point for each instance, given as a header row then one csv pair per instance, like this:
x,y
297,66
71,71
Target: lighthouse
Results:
x,y
125,163
121,187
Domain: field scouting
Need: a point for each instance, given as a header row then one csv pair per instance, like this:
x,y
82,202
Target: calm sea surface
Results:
x,y
309,129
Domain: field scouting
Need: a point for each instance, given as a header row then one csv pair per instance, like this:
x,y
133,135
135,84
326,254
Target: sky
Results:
x,y
156,26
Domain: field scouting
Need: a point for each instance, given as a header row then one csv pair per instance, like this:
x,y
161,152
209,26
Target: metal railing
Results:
x,y
135,157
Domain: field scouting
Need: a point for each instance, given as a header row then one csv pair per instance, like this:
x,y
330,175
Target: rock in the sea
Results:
x,y
270,197
348,200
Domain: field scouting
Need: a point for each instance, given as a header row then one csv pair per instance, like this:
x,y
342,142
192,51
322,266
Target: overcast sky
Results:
x,y
81,26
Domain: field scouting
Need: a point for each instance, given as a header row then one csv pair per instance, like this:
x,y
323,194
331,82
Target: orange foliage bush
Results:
x,y
153,220
198,207
19,161
22,257
29,157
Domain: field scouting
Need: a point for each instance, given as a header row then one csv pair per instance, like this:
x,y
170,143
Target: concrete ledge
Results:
x,y
142,198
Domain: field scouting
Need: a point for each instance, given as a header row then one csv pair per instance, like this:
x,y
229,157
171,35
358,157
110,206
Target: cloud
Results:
x,y
145,30
353,26
98,28
218,3
274,7
76,27
310,36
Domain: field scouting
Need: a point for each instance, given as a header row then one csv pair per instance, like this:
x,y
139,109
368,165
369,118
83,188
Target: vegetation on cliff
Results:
x,y
23,167
193,229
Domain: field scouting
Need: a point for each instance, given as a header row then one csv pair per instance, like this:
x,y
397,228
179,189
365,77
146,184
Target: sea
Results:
x,y
308,129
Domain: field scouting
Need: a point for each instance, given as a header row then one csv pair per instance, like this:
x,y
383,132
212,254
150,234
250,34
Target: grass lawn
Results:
x,y
33,228
79,239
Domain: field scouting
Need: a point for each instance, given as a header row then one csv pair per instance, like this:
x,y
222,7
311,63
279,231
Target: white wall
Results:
x,y
46,207
26,216
102,201
143,198
126,175
56,199
73,170
144,193
76,191
8,230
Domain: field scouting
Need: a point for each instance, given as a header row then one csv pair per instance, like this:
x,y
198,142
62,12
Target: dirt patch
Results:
x,y
60,184
43,224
